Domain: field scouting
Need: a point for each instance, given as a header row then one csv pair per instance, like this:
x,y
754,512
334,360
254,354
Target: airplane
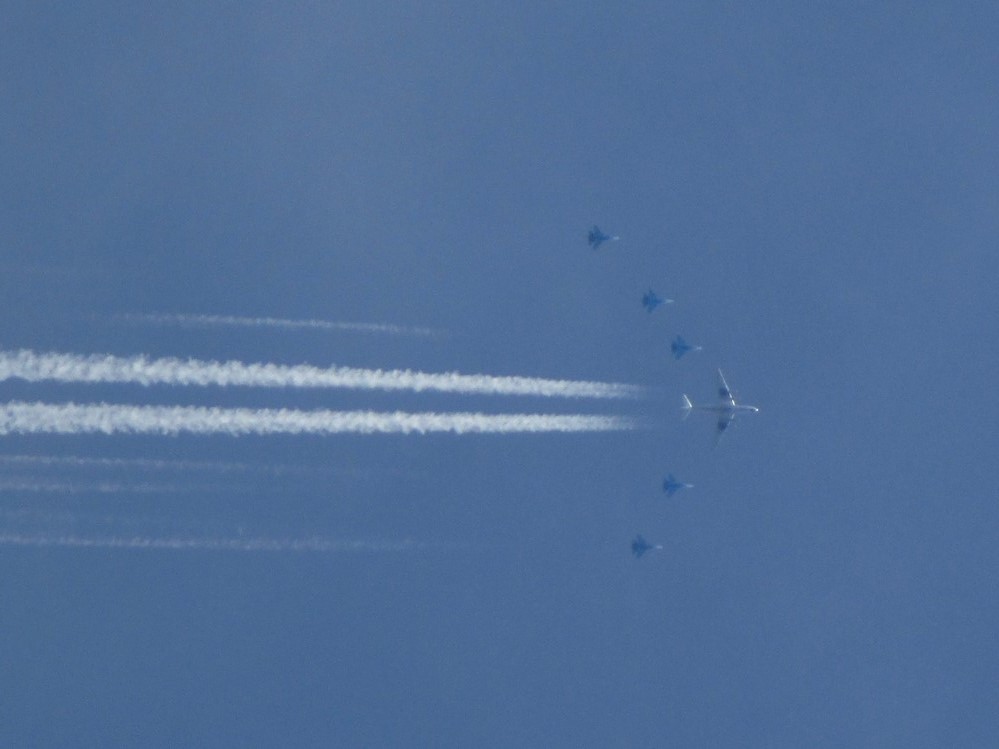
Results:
x,y
597,237
651,300
726,409
671,486
639,546
679,347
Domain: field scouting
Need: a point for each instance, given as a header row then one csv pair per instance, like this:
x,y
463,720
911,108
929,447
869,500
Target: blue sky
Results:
x,y
815,187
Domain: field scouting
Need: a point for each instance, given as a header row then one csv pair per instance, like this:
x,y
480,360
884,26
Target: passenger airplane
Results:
x,y
726,409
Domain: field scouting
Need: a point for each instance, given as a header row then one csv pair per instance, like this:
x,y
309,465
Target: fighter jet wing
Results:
x,y
726,396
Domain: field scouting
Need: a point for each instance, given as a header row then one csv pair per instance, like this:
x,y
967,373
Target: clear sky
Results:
x,y
816,187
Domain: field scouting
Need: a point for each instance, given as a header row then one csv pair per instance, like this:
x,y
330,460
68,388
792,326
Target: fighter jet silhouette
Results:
x,y
651,300
597,237
679,347
639,546
671,486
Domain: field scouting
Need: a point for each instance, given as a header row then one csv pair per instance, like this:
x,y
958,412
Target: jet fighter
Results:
x,y
671,486
639,546
679,347
597,237
651,300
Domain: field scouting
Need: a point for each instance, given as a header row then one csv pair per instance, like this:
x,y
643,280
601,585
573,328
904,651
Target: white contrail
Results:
x,y
72,418
152,464
36,367
184,543
212,321
50,486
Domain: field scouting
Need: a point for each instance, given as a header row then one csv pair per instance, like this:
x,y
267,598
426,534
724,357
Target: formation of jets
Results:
x,y
725,409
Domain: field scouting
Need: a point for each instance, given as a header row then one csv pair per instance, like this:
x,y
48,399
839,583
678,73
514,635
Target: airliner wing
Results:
x,y
725,394
724,420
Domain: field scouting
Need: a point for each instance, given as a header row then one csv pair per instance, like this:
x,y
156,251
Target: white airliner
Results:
x,y
726,409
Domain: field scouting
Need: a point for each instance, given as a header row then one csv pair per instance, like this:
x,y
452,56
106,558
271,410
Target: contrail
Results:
x,y
48,486
213,321
72,418
36,367
205,544
152,464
